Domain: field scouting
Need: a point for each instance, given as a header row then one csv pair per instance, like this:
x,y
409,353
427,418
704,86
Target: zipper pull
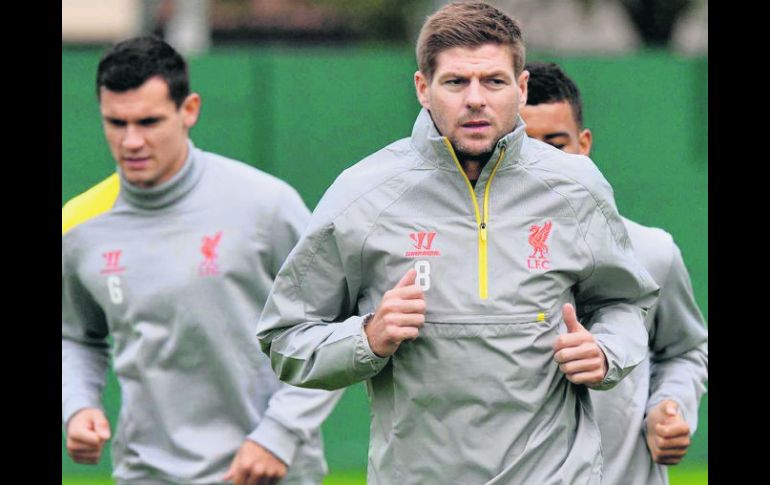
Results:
x,y
483,228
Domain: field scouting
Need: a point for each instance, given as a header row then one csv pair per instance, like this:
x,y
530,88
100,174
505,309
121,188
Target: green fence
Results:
x,y
306,114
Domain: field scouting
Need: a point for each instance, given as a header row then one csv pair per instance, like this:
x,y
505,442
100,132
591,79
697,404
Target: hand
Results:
x,y
668,434
577,352
399,317
87,431
254,465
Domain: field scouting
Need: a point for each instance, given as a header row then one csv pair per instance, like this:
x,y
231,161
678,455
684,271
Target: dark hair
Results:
x,y
467,25
129,64
548,83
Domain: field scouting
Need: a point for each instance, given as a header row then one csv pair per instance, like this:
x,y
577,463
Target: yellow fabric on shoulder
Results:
x,y
97,200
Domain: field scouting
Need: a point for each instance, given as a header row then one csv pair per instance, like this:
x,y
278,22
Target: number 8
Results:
x,y
423,274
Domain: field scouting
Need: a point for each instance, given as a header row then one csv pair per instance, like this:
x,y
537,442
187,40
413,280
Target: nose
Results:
x,y
474,98
133,139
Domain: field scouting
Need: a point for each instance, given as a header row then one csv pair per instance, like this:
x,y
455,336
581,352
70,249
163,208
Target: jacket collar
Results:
x,y
434,148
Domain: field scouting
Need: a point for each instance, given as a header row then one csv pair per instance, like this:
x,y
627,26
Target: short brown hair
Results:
x,y
467,24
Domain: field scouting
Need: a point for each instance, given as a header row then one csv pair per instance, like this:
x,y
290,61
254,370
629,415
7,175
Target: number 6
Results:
x,y
113,285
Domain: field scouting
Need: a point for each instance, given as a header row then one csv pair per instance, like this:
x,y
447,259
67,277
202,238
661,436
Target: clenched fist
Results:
x,y
399,317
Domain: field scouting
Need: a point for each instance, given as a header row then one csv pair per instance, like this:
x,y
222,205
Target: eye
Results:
x,y
560,146
149,121
455,82
116,122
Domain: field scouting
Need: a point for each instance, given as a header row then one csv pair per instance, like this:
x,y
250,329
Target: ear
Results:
x,y
522,83
584,142
191,108
421,85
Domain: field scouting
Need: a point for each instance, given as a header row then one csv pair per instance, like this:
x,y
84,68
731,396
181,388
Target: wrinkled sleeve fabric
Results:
x,y
294,415
613,300
84,347
309,328
289,221
679,345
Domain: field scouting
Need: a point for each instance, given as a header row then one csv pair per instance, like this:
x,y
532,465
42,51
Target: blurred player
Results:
x,y
173,258
646,421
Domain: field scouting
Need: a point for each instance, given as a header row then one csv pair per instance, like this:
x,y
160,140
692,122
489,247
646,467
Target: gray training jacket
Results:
x,y
477,398
177,275
676,367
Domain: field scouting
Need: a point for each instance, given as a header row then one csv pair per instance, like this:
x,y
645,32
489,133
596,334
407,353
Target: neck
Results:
x,y
472,168
473,164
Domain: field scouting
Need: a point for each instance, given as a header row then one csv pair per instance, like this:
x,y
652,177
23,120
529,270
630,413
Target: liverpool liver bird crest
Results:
x,y
537,237
209,247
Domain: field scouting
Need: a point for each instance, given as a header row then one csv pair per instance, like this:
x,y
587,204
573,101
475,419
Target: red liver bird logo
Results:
x,y
537,238
209,247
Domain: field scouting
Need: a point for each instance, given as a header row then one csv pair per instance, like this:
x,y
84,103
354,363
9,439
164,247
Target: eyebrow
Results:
x,y
497,73
555,135
146,119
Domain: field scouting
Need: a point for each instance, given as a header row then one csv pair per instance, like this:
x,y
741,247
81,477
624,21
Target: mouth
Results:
x,y
136,162
476,124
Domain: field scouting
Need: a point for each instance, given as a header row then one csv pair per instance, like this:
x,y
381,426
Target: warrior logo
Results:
x,y
112,262
209,249
423,241
537,237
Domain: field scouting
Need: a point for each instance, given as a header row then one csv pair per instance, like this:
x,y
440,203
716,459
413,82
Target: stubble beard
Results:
x,y
465,154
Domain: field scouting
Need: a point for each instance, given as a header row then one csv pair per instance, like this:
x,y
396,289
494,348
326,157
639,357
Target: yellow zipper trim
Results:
x,y
482,222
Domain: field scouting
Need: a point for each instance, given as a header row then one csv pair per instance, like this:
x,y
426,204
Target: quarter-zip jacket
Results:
x,y
477,398
176,275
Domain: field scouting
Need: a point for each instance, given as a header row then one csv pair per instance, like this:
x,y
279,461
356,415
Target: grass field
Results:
x,y
685,475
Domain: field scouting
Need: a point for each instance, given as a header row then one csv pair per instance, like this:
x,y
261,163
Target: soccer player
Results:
x,y
646,421
444,270
173,259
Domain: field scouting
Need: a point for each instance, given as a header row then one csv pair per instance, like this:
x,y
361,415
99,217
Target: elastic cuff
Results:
x,y
277,439
72,406
364,351
613,375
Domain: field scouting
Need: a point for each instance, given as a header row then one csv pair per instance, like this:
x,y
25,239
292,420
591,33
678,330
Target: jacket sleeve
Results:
x,y
294,415
84,346
679,345
289,221
613,300
309,327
